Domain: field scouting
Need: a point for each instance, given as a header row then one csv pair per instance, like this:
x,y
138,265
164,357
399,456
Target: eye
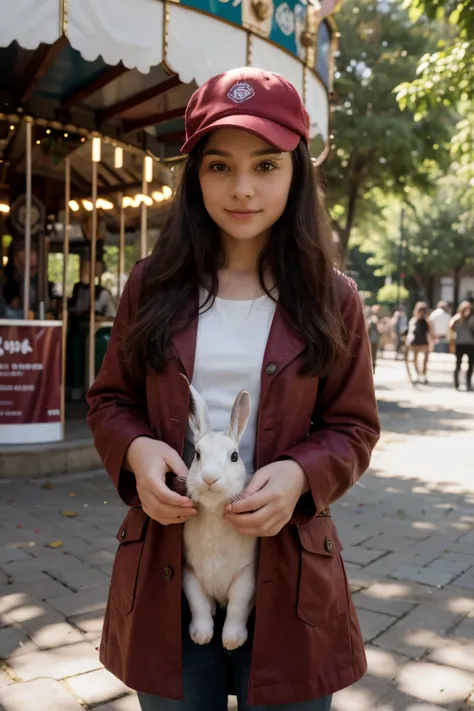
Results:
x,y
266,166
218,167
234,457
197,455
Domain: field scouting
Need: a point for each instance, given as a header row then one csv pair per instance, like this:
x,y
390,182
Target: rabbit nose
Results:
x,y
209,479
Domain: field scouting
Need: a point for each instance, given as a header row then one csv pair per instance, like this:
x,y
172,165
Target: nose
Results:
x,y
243,188
209,479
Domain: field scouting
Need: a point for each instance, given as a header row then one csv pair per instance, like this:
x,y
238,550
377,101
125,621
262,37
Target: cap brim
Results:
x,y
269,131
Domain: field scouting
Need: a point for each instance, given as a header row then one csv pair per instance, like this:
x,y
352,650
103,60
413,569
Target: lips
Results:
x,y
243,214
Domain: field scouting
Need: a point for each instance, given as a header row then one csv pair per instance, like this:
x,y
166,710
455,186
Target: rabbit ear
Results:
x,y
198,415
239,416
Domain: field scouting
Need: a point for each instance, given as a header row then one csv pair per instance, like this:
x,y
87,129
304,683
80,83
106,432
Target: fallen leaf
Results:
x,y
47,485
69,514
54,544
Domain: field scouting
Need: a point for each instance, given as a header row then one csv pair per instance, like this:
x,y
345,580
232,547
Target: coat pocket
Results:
x,y
322,589
131,536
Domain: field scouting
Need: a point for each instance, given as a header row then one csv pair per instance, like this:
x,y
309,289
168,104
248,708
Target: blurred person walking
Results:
x,y
419,339
463,327
440,319
400,327
373,330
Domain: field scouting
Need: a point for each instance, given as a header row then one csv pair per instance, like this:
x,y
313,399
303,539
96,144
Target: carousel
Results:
x,y
92,101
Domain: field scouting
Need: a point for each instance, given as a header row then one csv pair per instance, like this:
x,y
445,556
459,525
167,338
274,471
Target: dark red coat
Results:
x,y
307,639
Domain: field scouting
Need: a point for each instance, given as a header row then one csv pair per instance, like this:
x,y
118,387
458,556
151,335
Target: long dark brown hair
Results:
x,y
188,254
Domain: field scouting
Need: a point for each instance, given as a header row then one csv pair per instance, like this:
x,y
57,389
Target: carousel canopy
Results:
x,y
126,68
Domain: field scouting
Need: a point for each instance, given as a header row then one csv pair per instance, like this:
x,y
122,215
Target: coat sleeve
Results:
x,y
117,401
345,424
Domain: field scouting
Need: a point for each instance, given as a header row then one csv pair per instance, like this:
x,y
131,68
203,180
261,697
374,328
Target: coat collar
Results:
x,y
283,345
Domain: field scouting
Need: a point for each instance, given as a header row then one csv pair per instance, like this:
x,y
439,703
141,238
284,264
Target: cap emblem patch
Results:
x,y
241,92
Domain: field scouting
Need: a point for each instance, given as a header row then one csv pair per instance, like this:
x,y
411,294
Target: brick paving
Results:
x,y
408,538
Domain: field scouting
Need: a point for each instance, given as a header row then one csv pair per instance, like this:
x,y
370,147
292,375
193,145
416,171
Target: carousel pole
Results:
x,y
67,197
96,151
147,177
121,246
26,276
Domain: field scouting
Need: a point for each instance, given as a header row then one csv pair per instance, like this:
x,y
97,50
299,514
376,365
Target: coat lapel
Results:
x,y
283,346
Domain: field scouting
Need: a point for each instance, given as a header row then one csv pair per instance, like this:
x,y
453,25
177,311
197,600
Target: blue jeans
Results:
x,y
207,670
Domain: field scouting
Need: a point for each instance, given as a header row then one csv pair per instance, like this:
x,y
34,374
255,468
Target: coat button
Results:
x,y
328,545
123,534
271,369
167,573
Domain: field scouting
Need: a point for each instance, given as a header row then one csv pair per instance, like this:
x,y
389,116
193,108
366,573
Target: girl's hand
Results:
x,y
150,460
269,500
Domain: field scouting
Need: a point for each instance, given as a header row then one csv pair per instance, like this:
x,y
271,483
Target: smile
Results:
x,y
243,214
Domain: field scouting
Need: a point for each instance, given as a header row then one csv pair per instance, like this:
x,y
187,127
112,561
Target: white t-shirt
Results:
x,y
231,341
440,320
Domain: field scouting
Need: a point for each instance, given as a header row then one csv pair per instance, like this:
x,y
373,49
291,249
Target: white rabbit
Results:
x,y
220,563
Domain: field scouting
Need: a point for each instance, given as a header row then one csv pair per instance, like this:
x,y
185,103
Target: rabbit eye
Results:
x,y
198,455
234,457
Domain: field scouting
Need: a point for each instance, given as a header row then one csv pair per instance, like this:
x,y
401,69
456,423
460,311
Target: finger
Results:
x,y
168,513
175,463
251,520
154,501
169,497
251,503
257,482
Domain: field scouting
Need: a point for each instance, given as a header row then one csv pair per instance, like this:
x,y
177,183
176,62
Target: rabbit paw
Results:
x,y
234,635
201,630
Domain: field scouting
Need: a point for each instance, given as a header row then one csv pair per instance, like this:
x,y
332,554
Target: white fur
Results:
x,y
220,563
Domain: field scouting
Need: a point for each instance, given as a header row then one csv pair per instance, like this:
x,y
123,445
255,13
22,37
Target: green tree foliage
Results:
x,y
445,76
458,12
437,239
376,145
392,295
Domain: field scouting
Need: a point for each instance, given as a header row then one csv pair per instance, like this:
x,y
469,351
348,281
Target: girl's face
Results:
x,y
245,183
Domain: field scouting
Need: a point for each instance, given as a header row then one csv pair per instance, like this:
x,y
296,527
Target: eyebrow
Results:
x,y
255,154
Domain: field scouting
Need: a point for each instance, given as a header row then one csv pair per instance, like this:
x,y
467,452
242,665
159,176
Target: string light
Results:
x,y
157,196
48,131
167,192
127,201
96,149
4,208
38,142
74,205
12,127
88,205
102,204
148,169
66,135
118,159
142,198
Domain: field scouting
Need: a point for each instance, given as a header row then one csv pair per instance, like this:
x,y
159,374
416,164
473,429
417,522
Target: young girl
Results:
x,y
239,293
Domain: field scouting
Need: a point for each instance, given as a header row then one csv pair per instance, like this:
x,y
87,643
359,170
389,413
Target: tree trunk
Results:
x,y
345,234
429,290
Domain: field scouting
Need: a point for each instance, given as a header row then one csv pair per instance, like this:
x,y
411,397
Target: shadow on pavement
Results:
x,y
404,418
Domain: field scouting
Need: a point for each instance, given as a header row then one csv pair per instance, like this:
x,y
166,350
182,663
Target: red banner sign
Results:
x,y
30,380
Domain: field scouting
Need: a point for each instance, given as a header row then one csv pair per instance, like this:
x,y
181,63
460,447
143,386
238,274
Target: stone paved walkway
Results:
x,y
408,539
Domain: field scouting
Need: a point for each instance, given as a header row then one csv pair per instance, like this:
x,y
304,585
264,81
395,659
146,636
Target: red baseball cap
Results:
x,y
261,102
